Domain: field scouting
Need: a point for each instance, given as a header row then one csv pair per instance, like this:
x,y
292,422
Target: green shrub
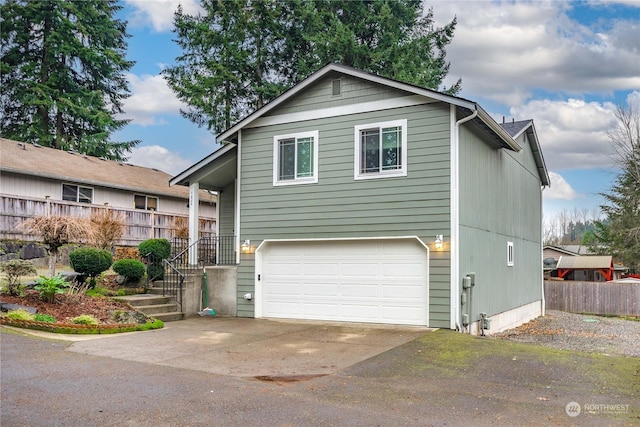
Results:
x,y
160,248
50,286
131,269
44,318
155,250
90,262
85,319
14,269
20,314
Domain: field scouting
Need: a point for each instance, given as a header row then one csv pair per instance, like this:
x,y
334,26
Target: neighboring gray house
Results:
x,y
35,180
353,197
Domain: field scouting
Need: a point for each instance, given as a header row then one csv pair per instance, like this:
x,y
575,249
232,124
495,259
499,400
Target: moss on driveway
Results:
x,y
448,378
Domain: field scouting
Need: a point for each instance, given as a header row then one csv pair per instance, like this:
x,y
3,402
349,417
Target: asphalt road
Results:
x,y
440,379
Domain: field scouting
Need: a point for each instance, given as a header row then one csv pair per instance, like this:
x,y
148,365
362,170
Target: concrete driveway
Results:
x,y
244,347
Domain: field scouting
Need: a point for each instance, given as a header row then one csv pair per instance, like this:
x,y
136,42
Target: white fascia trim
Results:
x,y
186,174
323,113
348,71
497,129
276,158
237,218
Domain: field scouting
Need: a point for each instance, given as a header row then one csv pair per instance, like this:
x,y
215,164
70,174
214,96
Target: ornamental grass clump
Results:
x,y
85,319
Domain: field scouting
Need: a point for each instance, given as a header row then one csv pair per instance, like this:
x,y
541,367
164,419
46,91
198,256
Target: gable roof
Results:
x,y
517,128
34,160
483,120
585,262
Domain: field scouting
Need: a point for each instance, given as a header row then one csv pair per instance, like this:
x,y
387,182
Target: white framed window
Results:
x,y
295,158
148,203
77,193
509,254
380,150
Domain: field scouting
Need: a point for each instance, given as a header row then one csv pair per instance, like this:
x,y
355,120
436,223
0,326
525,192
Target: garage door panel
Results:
x,y
364,268
362,290
320,290
380,281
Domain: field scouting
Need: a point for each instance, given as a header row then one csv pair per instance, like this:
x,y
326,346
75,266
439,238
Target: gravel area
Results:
x,y
570,331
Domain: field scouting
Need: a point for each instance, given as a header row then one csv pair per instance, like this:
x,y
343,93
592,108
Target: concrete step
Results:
x,y
147,299
157,306
169,317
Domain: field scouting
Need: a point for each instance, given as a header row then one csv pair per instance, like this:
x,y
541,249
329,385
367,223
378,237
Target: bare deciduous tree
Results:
x,y
56,231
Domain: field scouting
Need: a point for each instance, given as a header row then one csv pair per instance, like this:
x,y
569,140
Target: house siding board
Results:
x,y
319,95
497,183
226,225
327,209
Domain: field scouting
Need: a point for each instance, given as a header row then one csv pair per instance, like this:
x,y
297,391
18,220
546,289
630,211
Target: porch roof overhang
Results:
x,y
214,172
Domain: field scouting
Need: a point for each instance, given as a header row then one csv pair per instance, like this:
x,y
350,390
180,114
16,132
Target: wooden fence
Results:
x,y
605,298
139,225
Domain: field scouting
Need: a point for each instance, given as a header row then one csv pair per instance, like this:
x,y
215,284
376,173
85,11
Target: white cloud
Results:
x,y
150,96
155,156
572,133
505,50
159,13
559,189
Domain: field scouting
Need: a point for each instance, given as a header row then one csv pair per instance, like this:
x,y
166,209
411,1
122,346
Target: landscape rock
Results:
x,y
4,307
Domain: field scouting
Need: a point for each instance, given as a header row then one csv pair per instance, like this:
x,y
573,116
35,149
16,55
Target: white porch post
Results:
x,y
194,203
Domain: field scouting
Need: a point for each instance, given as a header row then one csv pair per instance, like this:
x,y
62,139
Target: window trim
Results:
x,y
146,202
78,187
510,254
276,159
357,175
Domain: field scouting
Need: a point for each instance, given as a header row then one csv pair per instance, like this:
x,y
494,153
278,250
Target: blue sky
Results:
x,y
564,64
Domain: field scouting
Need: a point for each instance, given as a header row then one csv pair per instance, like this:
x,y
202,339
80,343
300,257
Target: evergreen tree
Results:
x,y
241,54
619,235
62,66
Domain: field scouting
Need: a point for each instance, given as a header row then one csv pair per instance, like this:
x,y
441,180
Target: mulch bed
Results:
x,y
66,306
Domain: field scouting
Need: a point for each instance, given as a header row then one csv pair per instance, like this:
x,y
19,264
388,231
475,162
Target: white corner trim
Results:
x,y
323,113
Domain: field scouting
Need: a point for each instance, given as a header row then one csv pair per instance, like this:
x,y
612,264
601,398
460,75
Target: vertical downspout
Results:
x,y
543,302
237,218
455,216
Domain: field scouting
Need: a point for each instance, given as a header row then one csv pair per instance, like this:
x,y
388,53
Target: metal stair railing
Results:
x,y
217,250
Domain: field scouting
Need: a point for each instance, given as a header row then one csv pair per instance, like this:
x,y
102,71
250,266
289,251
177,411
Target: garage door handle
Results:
x,y
258,277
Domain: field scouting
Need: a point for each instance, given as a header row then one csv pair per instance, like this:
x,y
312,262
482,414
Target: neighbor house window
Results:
x,y
76,193
509,254
381,150
145,202
295,158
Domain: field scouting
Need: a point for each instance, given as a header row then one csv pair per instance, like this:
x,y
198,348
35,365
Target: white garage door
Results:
x,y
378,281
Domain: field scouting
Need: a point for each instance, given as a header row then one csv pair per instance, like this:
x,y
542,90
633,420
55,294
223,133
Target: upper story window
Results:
x,y
148,203
76,193
295,158
381,150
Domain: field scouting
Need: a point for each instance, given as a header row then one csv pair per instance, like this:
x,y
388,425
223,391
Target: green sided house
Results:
x,y
357,198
